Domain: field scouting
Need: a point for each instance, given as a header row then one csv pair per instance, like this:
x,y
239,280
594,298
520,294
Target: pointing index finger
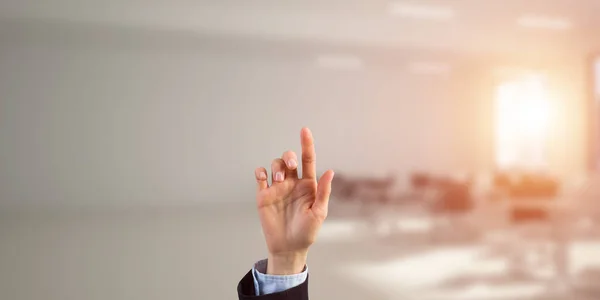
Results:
x,y
309,168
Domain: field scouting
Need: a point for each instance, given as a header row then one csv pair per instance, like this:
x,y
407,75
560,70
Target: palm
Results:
x,y
289,221
292,210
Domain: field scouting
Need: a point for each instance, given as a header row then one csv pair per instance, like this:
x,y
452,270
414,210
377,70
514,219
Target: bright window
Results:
x,y
522,114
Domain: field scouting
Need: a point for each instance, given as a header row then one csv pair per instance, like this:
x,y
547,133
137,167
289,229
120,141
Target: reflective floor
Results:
x,y
420,256
201,253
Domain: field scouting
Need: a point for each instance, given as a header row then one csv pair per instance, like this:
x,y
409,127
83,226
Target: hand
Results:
x,y
292,209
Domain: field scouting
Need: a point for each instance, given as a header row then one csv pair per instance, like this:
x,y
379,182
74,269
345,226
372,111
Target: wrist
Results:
x,y
288,263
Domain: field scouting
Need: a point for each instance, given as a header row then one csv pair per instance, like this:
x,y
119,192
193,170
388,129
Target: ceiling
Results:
x,y
477,26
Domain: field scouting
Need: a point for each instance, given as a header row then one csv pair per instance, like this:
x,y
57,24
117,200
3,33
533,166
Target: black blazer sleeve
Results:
x,y
246,291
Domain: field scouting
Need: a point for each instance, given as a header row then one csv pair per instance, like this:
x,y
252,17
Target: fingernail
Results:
x,y
262,176
292,163
278,176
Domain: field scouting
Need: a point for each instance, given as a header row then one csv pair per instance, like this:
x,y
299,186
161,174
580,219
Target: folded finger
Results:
x,y
261,178
278,170
291,163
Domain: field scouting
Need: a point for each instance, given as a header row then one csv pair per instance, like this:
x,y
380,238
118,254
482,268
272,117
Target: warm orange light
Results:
x,y
522,124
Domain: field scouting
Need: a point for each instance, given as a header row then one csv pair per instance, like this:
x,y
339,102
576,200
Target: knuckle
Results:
x,y
289,154
308,159
278,164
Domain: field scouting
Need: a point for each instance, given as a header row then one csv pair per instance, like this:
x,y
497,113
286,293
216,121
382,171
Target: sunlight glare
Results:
x,y
522,123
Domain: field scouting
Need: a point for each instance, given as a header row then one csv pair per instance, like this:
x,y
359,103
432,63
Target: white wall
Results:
x,y
91,119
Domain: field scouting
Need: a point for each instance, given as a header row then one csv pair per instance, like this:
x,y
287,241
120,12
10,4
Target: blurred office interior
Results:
x,y
465,136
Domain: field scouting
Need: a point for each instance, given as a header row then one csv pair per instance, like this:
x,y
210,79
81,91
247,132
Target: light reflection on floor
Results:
x,y
482,291
342,230
354,230
478,268
418,271
437,274
584,255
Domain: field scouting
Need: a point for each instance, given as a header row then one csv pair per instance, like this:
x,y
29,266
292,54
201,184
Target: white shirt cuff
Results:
x,y
265,284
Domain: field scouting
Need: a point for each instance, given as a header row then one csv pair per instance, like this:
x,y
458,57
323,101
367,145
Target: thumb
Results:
x,y
323,192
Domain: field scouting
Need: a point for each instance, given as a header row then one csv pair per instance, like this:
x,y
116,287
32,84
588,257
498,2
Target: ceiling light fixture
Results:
x,y
339,61
430,68
421,11
542,22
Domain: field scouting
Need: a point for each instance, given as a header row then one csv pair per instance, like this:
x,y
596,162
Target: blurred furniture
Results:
x,y
524,187
367,190
453,197
342,188
537,221
448,202
419,181
443,194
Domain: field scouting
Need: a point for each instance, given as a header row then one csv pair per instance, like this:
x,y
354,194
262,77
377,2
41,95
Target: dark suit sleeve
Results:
x,y
246,291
